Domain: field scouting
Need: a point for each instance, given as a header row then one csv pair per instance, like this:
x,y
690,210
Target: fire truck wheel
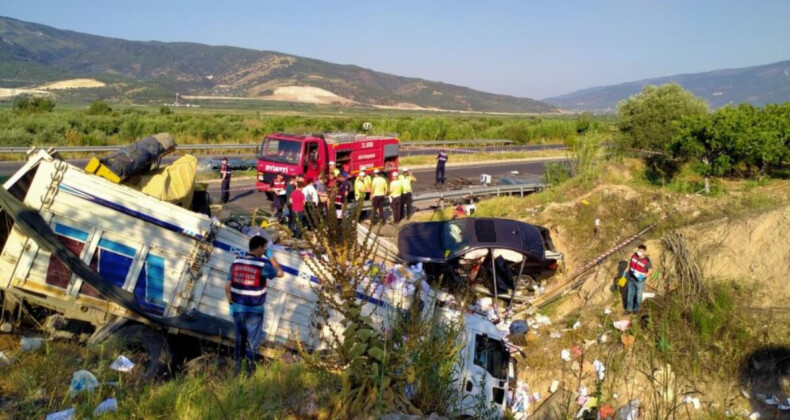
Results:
x,y
147,349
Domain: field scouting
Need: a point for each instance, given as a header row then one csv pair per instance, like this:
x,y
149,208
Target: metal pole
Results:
x,y
493,275
515,282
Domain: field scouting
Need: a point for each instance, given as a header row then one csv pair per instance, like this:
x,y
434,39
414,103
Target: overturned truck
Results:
x,y
119,262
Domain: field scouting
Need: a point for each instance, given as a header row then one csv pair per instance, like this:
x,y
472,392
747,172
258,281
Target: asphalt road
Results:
x,y
9,167
244,195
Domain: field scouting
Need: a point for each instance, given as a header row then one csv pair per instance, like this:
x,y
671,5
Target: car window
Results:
x,y
491,355
454,237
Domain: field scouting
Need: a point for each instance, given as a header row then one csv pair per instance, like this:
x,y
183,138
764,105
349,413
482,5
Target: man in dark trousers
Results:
x,y
378,194
224,173
639,269
441,160
278,188
246,293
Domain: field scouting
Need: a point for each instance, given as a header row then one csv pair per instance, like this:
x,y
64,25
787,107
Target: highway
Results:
x,y
244,195
9,167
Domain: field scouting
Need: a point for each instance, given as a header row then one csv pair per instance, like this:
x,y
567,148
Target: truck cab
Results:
x,y
309,155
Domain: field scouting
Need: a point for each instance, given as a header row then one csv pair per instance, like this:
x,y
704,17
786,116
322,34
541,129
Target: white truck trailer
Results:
x,y
108,256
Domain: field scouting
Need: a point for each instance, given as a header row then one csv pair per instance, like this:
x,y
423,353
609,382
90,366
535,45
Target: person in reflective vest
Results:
x,y
361,186
246,293
224,173
396,191
406,179
639,269
378,194
278,186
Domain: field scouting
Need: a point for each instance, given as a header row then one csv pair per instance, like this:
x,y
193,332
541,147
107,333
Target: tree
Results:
x,y
27,105
650,119
99,108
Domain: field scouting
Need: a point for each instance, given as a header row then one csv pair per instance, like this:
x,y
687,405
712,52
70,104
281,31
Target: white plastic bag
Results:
x,y
82,380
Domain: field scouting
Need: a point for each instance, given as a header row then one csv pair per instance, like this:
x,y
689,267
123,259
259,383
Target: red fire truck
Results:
x,y
309,155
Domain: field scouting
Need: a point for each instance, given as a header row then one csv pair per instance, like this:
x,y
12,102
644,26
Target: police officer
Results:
x,y
441,160
246,293
224,172
406,178
396,191
378,193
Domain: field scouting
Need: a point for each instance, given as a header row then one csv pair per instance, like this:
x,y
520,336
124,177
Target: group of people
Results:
x,y
378,187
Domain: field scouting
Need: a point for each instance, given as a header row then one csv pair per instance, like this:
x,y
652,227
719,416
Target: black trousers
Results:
x,y
407,200
225,191
440,174
397,208
378,209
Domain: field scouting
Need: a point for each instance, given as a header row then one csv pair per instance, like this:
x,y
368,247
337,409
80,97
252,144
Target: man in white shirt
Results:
x,y
310,201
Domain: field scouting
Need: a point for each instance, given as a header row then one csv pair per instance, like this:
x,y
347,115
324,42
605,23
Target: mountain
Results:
x,y
758,85
32,54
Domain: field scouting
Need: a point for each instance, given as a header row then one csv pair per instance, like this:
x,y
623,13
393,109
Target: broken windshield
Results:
x,y
454,238
282,151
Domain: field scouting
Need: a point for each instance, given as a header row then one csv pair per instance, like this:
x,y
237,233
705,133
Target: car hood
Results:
x,y
421,242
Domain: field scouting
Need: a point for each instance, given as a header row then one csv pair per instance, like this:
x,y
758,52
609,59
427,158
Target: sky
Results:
x,y
522,48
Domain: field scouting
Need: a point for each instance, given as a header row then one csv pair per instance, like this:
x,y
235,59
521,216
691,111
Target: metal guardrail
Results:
x,y
225,146
497,190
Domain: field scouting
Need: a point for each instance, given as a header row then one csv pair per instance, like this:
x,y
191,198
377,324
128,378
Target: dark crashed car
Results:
x,y
499,257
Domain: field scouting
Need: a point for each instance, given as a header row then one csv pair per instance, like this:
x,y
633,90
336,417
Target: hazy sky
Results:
x,y
523,48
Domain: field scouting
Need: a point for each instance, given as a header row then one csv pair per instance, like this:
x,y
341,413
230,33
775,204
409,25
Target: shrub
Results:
x,y
99,108
27,105
556,173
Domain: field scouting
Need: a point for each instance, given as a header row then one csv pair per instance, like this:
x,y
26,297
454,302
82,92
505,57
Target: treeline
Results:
x,y
741,140
102,125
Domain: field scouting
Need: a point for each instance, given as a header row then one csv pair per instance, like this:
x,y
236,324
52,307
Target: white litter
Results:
x,y
785,407
603,338
565,355
576,325
755,415
648,295
607,311
519,402
4,360
31,343
62,415
535,396
555,334
109,405
772,400
745,394
629,411
694,401
82,380
622,324
599,369
555,385
122,364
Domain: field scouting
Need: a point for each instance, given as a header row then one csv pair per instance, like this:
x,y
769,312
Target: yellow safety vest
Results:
x,y
396,188
405,181
379,186
367,183
359,188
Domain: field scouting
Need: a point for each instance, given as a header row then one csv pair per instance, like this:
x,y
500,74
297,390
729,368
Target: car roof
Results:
x,y
491,232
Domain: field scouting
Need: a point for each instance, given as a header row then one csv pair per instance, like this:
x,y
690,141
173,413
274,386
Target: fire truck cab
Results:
x,y
309,155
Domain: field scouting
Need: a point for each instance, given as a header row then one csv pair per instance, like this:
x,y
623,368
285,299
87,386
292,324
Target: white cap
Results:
x,y
405,169
394,173
331,162
361,173
375,171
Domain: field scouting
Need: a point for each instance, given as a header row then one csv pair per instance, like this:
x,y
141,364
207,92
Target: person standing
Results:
x,y
297,202
441,160
278,186
310,202
396,191
379,192
341,192
406,179
323,197
361,185
246,294
224,173
290,186
639,269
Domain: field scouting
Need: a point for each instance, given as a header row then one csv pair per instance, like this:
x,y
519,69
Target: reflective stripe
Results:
x,y
248,292
260,264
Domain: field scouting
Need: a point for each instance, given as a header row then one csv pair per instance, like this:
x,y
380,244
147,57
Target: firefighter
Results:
x,y
333,169
246,293
441,160
224,173
278,185
378,194
396,191
406,179
361,186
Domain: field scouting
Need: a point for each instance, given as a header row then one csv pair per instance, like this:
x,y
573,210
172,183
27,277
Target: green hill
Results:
x,y
758,85
32,54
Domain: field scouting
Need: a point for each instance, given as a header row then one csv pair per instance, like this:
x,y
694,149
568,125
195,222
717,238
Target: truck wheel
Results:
x,y
147,349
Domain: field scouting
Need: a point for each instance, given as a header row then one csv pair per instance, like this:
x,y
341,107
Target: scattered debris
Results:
x,y
694,401
622,324
555,334
603,338
629,411
599,369
67,414
122,364
755,415
31,343
772,400
628,341
565,355
4,360
6,327
607,311
577,352
519,401
82,380
555,384
665,380
577,325
109,405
